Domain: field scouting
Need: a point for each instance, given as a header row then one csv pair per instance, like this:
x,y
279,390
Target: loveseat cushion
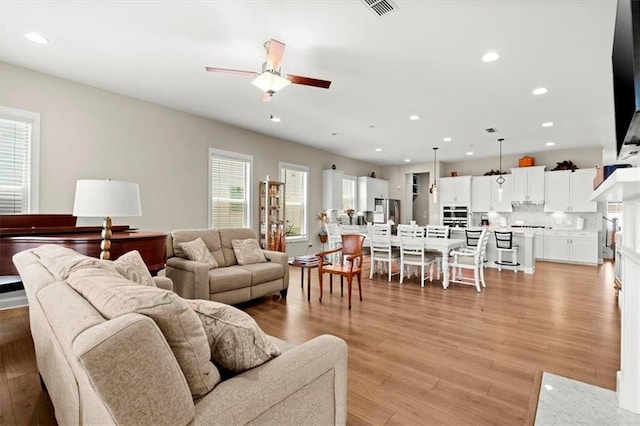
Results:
x,y
227,235
114,296
229,278
248,251
237,342
198,251
264,272
211,239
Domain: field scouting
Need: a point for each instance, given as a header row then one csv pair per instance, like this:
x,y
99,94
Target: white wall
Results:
x,y
91,133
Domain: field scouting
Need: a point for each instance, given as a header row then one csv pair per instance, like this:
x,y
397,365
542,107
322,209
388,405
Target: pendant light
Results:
x,y
434,188
500,179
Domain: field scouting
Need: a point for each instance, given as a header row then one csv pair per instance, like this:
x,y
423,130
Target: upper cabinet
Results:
x,y
455,191
568,191
332,189
486,197
368,190
528,184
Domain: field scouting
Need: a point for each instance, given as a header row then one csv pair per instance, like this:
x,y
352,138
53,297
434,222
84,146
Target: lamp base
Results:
x,y
105,244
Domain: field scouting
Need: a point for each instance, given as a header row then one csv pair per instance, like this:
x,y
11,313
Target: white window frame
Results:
x,y
305,220
355,191
33,204
249,184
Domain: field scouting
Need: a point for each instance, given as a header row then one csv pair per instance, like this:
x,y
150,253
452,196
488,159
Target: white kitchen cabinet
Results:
x,y
571,246
332,189
455,191
368,190
485,196
567,191
528,184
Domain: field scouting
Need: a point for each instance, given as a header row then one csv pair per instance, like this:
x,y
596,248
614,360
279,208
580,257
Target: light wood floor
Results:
x,y
416,355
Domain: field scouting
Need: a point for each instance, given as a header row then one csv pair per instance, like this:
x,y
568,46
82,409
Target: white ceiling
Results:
x,y
422,59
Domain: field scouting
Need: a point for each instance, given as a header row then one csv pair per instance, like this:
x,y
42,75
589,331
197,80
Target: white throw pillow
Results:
x,y
237,343
131,266
198,251
248,251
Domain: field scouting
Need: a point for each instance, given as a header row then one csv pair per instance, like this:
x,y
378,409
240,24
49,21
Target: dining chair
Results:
x,y
381,251
350,229
350,265
438,231
413,255
334,239
504,244
463,259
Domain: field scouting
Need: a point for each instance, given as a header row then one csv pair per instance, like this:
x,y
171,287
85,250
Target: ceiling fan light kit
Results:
x,y
270,82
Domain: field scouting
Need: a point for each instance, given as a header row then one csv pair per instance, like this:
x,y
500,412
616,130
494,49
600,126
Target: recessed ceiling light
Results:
x,y
36,38
274,118
547,124
335,134
469,152
490,57
550,143
378,149
447,139
407,160
540,91
414,117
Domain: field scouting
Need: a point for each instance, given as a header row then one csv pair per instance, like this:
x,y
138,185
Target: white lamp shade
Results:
x,y
270,82
106,198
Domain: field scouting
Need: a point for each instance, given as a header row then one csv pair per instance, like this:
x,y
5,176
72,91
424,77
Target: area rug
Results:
x,y
564,401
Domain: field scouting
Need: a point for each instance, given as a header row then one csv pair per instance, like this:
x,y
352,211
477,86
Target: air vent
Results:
x,y
380,7
491,130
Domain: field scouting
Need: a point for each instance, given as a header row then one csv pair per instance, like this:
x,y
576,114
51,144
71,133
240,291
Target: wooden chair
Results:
x,y
473,261
334,239
381,250
412,253
350,265
504,244
438,231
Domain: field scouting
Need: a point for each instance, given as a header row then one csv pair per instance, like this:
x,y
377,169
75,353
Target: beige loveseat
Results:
x,y
123,370
229,282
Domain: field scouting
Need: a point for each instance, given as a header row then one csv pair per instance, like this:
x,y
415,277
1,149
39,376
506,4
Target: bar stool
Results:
x,y
504,244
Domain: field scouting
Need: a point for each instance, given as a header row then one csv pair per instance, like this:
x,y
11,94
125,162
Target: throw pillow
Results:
x,y
114,296
237,343
197,251
131,266
248,251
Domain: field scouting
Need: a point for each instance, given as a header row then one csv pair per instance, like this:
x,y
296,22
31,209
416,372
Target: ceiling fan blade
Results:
x,y
266,96
229,71
275,51
308,81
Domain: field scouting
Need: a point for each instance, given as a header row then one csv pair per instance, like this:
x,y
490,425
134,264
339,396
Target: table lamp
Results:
x,y
106,199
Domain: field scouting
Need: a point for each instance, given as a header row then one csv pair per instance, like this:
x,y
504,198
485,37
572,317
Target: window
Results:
x,y
19,160
349,192
296,188
230,178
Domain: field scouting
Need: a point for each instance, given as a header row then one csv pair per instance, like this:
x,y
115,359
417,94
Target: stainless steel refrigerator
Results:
x,y
385,210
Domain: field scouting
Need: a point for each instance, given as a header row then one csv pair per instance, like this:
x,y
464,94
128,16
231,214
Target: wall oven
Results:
x,y
455,216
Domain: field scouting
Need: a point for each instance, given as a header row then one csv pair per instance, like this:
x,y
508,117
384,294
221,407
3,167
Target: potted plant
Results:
x,y
322,218
350,213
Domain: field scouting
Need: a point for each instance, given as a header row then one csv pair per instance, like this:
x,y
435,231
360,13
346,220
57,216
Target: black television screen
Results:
x,y
626,77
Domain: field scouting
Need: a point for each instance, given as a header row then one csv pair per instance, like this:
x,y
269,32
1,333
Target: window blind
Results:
x,y
15,161
230,184
349,193
295,179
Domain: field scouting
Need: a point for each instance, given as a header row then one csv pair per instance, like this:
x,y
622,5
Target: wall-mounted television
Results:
x,y
626,78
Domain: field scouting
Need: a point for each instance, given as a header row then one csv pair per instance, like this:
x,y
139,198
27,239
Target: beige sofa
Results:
x,y
229,282
123,371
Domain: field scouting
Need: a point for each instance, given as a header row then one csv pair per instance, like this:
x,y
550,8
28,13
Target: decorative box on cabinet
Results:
x,y
485,195
567,191
455,191
332,189
272,219
528,184
368,190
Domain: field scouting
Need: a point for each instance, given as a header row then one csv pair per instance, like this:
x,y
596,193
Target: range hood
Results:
x,y
626,78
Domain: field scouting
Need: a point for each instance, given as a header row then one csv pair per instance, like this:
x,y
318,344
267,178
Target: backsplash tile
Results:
x,y
535,215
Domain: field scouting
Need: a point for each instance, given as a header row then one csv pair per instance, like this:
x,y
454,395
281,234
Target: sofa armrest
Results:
x,y
190,279
283,259
163,283
134,372
305,385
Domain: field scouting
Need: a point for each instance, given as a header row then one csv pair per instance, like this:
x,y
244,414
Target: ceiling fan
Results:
x,y
270,80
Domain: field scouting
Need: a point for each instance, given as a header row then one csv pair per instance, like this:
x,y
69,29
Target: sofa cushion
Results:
x,y
264,272
131,266
114,296
229,234
229,278
237,343
197,251
248,251
211,238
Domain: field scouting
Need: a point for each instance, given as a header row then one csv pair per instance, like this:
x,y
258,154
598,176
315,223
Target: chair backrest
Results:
x,y
437,231
352,244
482,244
350,229
412,244
379,237
410,231
473,236
504,239
333,233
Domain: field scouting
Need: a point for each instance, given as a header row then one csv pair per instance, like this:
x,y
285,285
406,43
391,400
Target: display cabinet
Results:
x,y
272,219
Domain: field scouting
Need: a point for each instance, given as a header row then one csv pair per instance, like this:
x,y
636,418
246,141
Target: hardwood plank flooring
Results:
x,y
416,355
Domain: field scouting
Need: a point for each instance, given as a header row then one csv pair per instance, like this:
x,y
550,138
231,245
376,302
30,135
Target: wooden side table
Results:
x,y
308,265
